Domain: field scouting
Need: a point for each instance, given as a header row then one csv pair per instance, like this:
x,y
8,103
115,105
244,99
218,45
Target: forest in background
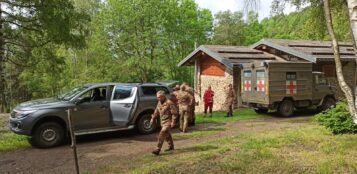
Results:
x,y
122,41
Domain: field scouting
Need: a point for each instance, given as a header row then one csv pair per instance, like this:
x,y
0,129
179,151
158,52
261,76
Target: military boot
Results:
x,y
156,152
169,149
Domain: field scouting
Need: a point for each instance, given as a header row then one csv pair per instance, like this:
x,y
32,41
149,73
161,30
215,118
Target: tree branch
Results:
x,y
29,46
22,26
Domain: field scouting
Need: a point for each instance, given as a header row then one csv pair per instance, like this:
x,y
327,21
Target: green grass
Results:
x,y
198,133
308,148
219,117
11,141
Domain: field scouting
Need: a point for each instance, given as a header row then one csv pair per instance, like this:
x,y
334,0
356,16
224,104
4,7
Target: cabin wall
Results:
x,y
330,70
211,72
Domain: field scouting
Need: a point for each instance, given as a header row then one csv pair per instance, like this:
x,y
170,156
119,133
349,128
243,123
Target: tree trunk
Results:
x,y
352,13
2,66
341,80
352,9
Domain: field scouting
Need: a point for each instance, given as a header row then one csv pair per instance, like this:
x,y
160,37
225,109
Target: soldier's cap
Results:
x,y
160,93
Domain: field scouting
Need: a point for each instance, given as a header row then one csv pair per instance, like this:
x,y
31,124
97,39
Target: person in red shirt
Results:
x,y
208,100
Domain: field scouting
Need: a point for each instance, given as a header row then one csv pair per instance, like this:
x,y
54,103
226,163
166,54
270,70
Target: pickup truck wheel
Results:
x,y
327,103
144,126
261,110
286,108
48,134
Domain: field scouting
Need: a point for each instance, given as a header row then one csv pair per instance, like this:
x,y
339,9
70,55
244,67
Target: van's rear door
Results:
x,y
260,86
246,85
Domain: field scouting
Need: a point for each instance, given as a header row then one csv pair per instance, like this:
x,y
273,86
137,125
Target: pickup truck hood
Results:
x,y
46,103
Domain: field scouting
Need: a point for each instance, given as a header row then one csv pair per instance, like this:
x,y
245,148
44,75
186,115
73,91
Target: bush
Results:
x,y
337,119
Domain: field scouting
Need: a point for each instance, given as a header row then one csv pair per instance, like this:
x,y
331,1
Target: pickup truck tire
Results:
x,y
143,124
286,108
261,110
47,134
327,103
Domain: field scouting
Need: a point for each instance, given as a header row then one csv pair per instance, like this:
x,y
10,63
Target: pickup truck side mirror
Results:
x,y
80,100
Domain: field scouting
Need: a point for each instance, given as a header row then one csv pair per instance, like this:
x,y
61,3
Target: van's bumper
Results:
x,y
259,105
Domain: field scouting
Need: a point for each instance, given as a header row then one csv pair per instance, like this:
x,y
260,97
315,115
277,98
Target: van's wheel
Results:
x,y
327,103
286,108
261,110
144,126
48,134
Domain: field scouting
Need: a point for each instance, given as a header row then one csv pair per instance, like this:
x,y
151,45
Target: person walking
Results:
x,y
185,100
230,100
192,107
167,112
208,101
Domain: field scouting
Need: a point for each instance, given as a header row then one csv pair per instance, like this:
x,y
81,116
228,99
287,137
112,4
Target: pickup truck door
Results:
x,y
123,104
93,113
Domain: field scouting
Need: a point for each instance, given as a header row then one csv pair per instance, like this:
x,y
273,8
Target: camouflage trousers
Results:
x,y
165,134
193,115
184,116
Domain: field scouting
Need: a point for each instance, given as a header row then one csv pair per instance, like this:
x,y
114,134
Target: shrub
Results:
x,y
337,119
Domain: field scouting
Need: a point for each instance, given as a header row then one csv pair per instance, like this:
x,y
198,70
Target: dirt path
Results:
x,y
102,149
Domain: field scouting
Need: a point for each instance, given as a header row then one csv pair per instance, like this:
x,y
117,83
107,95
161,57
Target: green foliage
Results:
x,y
337,119
11,141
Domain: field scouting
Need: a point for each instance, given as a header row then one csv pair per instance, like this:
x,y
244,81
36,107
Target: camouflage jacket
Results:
x,y
184,98
166,110
230,96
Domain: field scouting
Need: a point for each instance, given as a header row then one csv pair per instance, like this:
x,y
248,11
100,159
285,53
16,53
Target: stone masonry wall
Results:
x,y
217,83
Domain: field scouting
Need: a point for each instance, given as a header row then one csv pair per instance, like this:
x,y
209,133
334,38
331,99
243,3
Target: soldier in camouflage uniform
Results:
x,y
185,100
230,99
192,107
167,112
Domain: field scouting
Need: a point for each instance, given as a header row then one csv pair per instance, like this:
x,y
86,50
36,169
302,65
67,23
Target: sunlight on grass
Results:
x,y
11,141
219,117
307,148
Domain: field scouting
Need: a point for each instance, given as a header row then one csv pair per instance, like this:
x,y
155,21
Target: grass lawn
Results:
x,y
308,148
11,141
219,117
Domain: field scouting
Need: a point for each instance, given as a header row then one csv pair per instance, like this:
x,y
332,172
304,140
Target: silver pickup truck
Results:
x,y
95,108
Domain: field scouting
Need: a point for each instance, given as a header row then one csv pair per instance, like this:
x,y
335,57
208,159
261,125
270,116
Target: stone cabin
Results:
x,y
218,65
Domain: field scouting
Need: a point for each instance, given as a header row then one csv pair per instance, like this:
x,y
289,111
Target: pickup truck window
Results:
x,y
151,90
70,94
96,94
122,92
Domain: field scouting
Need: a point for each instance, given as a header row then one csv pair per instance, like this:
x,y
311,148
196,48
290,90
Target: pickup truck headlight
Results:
x,y
22,114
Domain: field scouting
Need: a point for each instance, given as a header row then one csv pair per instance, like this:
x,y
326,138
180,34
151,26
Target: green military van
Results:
x,y
284,86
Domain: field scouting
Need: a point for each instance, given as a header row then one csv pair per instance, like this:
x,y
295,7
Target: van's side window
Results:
x,y
247,74
291,76
260,73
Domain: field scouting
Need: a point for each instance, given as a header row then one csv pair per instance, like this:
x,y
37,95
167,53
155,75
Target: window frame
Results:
x,y
247,72
114,92
288,76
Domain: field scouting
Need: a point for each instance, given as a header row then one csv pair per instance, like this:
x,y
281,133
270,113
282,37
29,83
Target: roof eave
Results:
x,y
284,49
208,52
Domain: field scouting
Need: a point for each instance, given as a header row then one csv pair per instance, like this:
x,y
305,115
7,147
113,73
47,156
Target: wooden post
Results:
x,y
73,139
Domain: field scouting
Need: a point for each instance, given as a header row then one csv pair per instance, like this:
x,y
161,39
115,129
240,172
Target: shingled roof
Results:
x,y
309,50
228,55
